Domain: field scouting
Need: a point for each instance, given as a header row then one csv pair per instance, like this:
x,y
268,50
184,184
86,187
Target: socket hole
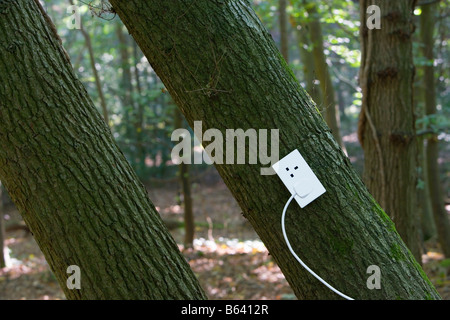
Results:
x,y
292,175
295,168
287,169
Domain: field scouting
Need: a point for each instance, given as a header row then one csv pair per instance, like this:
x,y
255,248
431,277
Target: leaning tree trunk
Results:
x,y
387,122
222,67
72,185
432,147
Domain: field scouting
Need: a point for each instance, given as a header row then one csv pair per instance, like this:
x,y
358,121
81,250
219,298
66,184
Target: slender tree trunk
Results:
x,y
284,37
427,20
66,175
428,225
126,85
140,122
185,181
387,122
98,83
307,58
2,232
424,209
323,74
222,67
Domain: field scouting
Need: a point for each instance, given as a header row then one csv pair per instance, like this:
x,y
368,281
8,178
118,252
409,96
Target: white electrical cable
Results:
x,y
298,259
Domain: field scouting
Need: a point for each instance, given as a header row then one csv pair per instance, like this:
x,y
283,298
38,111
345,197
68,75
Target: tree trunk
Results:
x,y
284,38
387,122
126,85
428,228
140,122
323,74
126,94
427,20
307,59
222,67
185,181
66,175
98,83
427,224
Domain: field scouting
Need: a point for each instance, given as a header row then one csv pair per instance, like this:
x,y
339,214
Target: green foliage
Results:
x,y
433,124
143,127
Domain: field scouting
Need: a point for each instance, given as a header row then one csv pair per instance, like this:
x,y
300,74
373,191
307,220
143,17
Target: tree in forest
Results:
x,y
322,72
98,83
186,190
73,186
387,120
427,23
140,119
427,225
307,59
222,67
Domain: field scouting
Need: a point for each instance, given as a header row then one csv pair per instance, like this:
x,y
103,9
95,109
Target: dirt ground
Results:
x,y
228,257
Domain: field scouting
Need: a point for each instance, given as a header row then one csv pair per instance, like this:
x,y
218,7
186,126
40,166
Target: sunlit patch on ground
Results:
x,y
234,269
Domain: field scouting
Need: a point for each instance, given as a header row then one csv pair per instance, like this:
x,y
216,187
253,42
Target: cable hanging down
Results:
x,y
300,260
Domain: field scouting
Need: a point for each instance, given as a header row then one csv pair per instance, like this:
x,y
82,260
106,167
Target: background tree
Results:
x,y
239,71
427,25
98,83
428,231
284,35
323,75
307,59
185,183
2,231
387,122
73,186
144,130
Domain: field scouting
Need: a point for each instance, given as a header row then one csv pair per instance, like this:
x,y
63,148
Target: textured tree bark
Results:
x,y
72,185
388,139
432,147
222,67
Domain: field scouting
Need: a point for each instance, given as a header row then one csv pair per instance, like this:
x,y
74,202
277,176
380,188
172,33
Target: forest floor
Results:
x,y
228,257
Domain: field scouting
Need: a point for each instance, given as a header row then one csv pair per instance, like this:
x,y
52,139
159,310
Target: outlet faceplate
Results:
x,y
298,177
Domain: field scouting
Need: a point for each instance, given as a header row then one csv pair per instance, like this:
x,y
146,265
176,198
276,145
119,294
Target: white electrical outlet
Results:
x,y
298,177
